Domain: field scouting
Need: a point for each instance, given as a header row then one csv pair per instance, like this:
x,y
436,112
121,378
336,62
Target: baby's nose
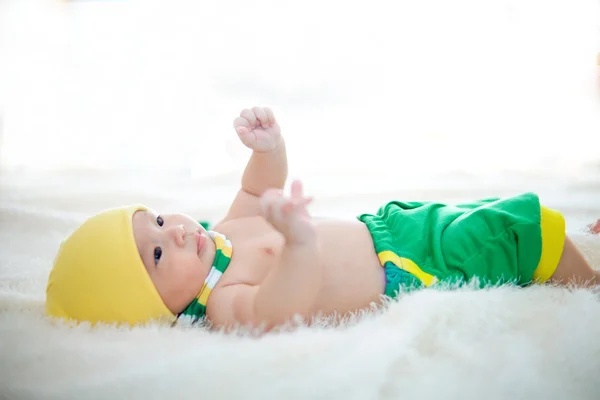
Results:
x,y
177,232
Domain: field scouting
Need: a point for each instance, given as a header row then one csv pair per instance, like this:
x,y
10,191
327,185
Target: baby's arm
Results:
x,y
288,290
267,167
292,287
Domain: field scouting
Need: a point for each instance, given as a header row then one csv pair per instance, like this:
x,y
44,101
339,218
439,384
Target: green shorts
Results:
x,y
496,240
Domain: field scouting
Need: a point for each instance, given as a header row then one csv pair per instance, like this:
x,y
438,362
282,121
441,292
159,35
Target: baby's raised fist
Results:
x,y
258,129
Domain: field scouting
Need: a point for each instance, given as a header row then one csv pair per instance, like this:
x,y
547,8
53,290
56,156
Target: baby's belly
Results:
x,y
352,275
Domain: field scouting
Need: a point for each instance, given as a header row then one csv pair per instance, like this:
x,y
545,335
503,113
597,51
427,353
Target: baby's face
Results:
x,y
177,253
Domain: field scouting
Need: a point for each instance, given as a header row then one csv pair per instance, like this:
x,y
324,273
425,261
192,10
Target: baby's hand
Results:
x,y
289,215
257,129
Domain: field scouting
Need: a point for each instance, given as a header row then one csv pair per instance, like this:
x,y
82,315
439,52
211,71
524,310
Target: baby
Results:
x,y
268,260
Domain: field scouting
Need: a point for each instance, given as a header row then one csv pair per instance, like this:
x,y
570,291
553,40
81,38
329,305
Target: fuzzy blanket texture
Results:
x,y
534,343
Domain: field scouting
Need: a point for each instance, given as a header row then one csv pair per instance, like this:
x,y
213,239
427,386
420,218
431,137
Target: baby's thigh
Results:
x,y
574,268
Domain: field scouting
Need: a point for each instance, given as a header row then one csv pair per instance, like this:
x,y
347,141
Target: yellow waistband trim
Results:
x,y
553,241
408,266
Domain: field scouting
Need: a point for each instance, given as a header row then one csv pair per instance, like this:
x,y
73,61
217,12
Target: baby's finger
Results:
x,y
270,115
269,199
240,121
300,205
277,211
262,117
242,130
301,202
296,190
286,208
241,125
249,116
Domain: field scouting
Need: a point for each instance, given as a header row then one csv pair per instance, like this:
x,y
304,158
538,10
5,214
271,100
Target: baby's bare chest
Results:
x,y
257,250
346,251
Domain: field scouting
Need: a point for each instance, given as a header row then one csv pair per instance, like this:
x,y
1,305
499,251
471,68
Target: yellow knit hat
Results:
x,y
98,274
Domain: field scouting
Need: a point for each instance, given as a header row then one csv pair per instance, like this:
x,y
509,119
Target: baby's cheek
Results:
x,y
194,272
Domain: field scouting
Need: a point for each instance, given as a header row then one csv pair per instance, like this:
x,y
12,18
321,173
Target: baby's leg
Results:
x,y
574,269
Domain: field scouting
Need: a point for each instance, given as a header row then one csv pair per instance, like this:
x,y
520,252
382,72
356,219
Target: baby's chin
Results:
x,y
207,254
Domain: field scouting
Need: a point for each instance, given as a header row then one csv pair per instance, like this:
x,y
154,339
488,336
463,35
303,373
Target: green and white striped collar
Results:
x,y
197,309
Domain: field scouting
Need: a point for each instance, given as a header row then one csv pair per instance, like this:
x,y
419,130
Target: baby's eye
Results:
x,y
157,254
160,221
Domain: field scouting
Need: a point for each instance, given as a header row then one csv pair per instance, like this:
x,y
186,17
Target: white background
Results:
x,y
414,87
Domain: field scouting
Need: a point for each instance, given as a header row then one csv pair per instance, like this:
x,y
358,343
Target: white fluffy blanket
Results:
x,y
535,343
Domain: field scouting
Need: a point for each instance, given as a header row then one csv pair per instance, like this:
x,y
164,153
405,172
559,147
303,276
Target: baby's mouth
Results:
x,y
200,242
